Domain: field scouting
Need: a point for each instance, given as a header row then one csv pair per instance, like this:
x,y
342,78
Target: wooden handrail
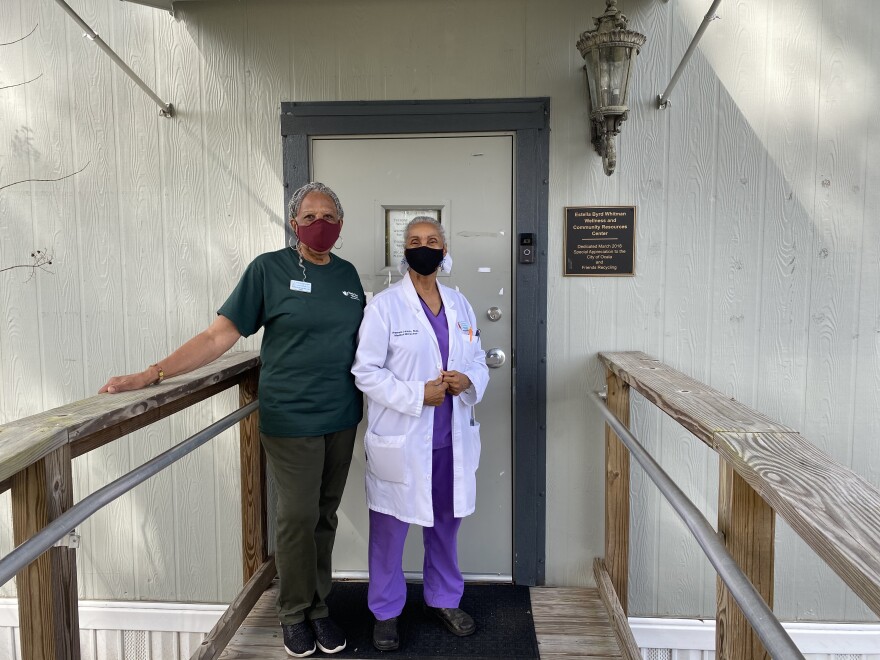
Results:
x,y
834,510
35,462
92,422
697,407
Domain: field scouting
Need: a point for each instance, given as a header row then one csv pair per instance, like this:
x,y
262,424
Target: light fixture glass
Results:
x,y
609,51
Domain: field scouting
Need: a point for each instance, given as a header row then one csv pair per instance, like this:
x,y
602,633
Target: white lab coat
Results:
x,y
397,354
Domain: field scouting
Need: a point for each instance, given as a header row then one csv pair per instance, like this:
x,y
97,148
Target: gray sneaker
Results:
x,y
299,640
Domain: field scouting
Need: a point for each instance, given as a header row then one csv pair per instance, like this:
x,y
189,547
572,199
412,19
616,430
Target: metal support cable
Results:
x,y
165,109
24,554
759,615
663,99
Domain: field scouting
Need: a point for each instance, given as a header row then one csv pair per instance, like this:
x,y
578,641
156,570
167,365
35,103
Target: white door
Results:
x,y
468,181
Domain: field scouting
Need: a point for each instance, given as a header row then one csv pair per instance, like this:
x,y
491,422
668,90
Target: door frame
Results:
x,y
529,120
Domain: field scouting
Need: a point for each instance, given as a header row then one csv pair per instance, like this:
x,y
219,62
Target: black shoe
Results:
x,y
299,640
329,636
457,621
385,635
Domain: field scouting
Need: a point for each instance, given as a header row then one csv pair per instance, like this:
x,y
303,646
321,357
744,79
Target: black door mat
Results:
x,y
503,614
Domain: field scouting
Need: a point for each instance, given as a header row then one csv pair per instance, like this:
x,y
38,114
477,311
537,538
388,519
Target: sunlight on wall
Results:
x,y
766,57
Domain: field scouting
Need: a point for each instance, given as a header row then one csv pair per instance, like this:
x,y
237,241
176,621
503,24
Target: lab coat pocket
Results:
x,y
475,443
386,456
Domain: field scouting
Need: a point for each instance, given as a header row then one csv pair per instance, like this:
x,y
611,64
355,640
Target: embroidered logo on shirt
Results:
x,y
351,295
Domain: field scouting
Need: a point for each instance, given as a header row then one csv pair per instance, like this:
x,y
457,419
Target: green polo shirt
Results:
x,y
306,386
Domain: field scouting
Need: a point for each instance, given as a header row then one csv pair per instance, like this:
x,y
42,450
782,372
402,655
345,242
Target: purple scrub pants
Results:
x,y
444,584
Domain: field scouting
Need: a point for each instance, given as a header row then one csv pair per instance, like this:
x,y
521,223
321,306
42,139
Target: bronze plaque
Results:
x,y
600,240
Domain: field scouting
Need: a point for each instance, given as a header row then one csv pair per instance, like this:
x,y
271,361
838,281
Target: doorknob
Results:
x,y
494,313
495,357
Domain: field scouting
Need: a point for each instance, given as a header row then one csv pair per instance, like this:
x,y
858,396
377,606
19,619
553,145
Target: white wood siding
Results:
x,y
758,250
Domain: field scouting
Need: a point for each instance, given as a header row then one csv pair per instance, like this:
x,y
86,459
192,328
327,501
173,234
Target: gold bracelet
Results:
x,y
161,374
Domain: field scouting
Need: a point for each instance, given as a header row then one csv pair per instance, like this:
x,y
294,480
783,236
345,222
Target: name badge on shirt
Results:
x,y
296,285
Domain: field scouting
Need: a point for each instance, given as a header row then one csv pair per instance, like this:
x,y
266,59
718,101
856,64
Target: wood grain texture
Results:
x,y
697,407
21,392
838,216
866,422
100,438
575,471
314,74
616,612
187,263
47,587
28,439
643,149
99,262
572,623
24,444
835,511
22,382
569,623
52,153
838,219
790,249
587,331
617,502
689,298
139,213
740,161
133,279
747,524
216,640
268,58
253,484
187,643
789,199
223,79
842,516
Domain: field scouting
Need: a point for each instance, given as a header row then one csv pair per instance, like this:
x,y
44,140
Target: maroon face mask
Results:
x,y
320,235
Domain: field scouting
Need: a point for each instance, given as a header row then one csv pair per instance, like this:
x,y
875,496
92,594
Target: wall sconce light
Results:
x,y
609,52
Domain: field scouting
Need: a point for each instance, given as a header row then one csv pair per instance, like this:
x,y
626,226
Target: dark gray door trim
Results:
x,y
529,120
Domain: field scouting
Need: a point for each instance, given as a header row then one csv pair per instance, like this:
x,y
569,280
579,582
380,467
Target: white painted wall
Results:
x,y
758,266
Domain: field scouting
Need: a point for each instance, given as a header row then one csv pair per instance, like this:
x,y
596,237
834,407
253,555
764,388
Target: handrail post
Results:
x,y
253,482
747,524
617,492
47,590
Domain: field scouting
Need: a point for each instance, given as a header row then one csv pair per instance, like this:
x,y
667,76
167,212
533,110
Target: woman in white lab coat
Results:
x,y
421,366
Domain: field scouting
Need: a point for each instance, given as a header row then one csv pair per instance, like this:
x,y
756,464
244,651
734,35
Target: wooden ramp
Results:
x,y
572,622
569,622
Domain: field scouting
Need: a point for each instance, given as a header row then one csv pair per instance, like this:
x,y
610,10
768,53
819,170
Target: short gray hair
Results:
x,y
425,220
300,194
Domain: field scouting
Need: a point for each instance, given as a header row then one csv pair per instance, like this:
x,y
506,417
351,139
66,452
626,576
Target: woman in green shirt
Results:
x,y
310,304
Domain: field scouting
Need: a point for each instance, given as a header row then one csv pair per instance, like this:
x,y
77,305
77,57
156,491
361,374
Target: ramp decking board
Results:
x,y
570,622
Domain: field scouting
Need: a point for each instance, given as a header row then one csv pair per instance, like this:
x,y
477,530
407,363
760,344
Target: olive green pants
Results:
x,y
310,474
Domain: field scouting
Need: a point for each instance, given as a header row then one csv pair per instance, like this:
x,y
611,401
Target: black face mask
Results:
x,y
424,260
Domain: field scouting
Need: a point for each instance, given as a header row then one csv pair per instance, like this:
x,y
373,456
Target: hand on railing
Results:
x,y
202,349
136,381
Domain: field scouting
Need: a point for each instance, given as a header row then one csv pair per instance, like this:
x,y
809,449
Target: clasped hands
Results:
x,y
448,382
